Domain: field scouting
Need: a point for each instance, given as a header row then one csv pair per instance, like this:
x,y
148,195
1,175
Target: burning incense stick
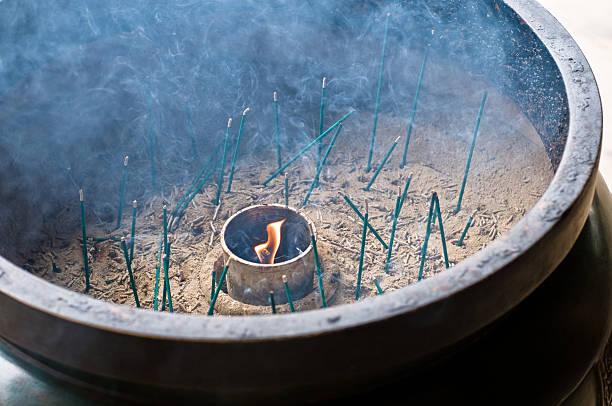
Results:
x,y
321,115
384,161
318,268
356,210
465,230
122,191
315,181
286,191
467,166
272,304
212,283
277,130
231,177
133,237
362,251
194,147
288,293
427,233
220,182
307,147
377,105
442,236
395,216
414,107
380,291
211,308
85,259
129,268
151,139
157,269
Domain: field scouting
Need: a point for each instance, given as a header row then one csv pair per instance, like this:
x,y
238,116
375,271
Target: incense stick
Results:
x,y
467,166
384,161
442,236
151,139
465,230
405,192
378,91
395,216
356,210
122,191
212,283
83,228
194,147
272,304
380,291
315,181
54,268
307,147
288,293
231,177
133,237
157,269
220,182
427,233
129,268
318,268
414,107
362,251
166,263
321,116
277,130
211,308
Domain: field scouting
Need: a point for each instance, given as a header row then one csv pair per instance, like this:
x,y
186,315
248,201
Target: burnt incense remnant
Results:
x,y
382,164
122,191
378,91
469,161
221,173
231,176
129,269
84,231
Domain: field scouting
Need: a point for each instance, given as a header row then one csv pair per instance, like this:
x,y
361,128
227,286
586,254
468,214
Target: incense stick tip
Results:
x,y
229,122
275,96
397,139
244,113
134,203
324,82
125,160
81,197
284,277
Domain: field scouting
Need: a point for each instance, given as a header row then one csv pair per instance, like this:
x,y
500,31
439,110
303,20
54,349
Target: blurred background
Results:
x,y
589,23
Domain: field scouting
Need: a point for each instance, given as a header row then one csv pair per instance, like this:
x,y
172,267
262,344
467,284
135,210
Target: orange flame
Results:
x,y
274,239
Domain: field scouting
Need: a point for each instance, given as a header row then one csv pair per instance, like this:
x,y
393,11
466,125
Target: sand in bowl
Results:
x,y
509,172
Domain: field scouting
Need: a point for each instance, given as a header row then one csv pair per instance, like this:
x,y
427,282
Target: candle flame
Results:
x,y
267,252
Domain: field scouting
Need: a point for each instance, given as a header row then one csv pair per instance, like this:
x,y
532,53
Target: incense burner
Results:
x,y
249,280
398,336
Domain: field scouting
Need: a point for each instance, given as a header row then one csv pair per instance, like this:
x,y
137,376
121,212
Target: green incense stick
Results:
x,y
286,191
405,192
356,210
315,181
321,116
318,269
54,267
384,161
395,216
414,106
362,252
467,166
194,147
231,176
380,291
83,228
166,263
212,283
377,105
122,191
214,298
129,268
465,230
157,269
442,236
307,147
133,237
427,233
277,130
288,293
272,303
221,173
151,140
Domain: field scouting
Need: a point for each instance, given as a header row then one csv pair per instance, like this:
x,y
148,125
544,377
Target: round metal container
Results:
x,y
311,355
